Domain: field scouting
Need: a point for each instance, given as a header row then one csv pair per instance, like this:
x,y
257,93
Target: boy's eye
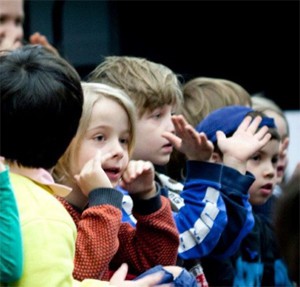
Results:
x,y
124,141
156,115
255,157
275,160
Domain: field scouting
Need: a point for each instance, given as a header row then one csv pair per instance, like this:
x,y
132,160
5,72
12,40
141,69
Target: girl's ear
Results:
x,y
216,157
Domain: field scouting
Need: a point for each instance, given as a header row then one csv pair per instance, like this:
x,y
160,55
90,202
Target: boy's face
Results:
x,y
11,21
150,145
283,156
263,166
108,131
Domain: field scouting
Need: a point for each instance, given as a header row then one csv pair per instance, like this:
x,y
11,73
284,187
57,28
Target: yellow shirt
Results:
x,y
49,235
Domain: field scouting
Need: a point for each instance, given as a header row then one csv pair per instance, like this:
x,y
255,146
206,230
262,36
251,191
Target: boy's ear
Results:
x,y
285,143
215,157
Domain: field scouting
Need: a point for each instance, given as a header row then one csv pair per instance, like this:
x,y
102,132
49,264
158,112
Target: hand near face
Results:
x,y
92,175
187,140
245,142
138,179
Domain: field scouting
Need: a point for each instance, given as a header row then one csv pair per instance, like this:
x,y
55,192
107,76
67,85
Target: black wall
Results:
x,y
254,43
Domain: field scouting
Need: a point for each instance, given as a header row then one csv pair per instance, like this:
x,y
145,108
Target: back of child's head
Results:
x,y
94,93
265,105
150,85
228,119
41,105
203,95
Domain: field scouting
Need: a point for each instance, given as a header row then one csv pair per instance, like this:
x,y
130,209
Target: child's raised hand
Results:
x,y
92,175
246,141
138,179
187,140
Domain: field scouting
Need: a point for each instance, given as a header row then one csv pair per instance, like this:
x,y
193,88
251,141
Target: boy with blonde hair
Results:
x,y
200,205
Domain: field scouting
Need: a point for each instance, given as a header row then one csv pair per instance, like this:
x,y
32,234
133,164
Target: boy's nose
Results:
x,y
270,170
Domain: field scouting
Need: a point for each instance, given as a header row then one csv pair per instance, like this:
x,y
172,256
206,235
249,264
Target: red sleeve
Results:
x,y
97,239
154,241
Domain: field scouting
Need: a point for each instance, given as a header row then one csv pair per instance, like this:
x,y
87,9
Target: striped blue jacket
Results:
x,y
211,209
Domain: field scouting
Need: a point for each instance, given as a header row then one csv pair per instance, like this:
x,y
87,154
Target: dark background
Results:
x,y
254,43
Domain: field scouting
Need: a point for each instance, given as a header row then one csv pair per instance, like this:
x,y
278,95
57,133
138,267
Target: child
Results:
x,y
270,109
102,146
202,95
11,255
257,262
200,209
41,105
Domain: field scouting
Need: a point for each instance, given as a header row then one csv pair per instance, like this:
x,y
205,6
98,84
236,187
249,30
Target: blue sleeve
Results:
x,y
201,216
11,253
234,190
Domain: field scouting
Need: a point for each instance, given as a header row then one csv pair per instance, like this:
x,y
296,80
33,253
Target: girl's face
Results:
x,y
150,144
263,166
109,132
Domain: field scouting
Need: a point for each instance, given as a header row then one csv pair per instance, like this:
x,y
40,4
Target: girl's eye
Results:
x,y
99,138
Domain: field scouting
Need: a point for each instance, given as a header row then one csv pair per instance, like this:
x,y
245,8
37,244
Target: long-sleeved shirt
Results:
x,y
211,209
11,251
257,261
104,242
48,232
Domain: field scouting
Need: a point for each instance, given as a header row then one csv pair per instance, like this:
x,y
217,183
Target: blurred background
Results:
x,y
253,43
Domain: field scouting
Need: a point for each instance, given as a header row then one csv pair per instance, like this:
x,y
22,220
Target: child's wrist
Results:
x,y
147,194
235,163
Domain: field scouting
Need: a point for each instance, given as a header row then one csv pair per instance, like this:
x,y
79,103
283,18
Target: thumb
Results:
x,y
220,135
120,275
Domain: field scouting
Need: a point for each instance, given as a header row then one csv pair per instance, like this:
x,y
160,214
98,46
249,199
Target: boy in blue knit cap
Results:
x,y
257,262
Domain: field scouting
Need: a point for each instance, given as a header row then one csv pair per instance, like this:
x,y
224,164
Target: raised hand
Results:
x,y
39,39
187,140
92,175
138,179
246,141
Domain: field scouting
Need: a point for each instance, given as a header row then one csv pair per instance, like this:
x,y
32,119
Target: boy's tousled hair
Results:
x,y
93,93
41,105
150,85
203,95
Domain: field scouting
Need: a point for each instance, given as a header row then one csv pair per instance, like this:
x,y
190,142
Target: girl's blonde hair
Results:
x,y
93,93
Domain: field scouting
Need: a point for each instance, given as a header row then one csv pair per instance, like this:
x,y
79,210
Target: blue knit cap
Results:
x,y
227,119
